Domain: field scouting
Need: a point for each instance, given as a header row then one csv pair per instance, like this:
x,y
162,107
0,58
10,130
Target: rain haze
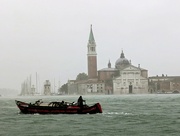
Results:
x,y
50,37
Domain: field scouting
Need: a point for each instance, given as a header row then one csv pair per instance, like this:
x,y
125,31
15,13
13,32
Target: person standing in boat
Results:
x,y
80,101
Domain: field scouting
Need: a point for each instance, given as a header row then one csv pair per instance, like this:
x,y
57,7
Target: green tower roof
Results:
x,y
91,36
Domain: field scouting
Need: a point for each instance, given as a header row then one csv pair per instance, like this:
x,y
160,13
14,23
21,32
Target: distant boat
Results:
x,y
57,108
27,89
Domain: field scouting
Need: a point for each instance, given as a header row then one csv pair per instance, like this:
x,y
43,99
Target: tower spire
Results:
x,y
91,36
109,64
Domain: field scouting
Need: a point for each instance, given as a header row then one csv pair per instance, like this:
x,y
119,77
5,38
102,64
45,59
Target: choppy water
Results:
x,y
124,115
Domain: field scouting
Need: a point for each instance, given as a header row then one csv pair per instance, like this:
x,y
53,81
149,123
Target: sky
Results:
x,y
49,37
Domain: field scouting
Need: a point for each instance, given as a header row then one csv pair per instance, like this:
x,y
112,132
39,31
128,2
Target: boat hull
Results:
x,y
27,108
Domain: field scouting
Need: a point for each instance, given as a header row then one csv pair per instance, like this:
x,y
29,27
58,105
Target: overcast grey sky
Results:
x,y
50,37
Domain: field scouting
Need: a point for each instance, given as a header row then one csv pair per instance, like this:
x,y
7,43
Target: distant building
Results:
x,y
123,79
85,87
92,57
106,75
164,84
131,79
47,88
92,85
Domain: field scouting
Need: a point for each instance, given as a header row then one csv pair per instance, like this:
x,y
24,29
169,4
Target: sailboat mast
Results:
x,y
54,86
36,84
30,86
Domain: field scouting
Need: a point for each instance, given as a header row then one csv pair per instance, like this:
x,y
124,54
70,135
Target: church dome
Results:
x,y
122,61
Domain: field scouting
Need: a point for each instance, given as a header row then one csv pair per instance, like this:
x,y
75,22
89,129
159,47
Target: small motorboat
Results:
x,y
62,107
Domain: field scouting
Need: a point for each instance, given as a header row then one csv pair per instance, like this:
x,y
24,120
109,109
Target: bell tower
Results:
x,y
91,56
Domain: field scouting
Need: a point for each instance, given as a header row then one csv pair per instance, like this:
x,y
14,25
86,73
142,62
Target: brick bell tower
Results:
x,y
91,56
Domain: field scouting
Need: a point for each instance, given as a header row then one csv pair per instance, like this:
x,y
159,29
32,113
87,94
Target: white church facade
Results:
x,y
131,80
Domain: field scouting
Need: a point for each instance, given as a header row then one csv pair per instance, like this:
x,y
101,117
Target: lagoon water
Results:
x,y
123,115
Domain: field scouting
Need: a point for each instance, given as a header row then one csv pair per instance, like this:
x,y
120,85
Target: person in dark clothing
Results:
x,y
80,101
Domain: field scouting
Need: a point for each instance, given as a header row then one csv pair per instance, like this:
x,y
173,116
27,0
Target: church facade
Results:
x,y
124,78
131,79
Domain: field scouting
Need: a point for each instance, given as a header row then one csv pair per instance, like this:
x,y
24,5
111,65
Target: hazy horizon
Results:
x,y
50,37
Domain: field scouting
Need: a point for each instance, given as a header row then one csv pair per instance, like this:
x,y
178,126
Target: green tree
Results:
x,y
63,89
81,76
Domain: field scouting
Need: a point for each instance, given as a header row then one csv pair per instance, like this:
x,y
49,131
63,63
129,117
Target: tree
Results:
x,y
81,76
64,89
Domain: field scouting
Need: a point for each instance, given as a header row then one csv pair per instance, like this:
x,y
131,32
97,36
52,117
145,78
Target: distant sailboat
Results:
x,y
28,89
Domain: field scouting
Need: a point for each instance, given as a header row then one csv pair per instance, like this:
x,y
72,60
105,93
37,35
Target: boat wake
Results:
x,y
111,114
